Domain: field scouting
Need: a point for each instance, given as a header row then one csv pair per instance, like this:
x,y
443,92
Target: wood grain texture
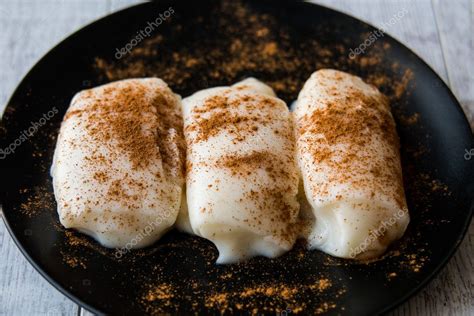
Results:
x,y
116,5
440,31
457,40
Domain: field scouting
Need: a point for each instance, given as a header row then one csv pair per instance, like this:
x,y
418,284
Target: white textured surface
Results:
x,y
440,31
239,211
348,211
145,200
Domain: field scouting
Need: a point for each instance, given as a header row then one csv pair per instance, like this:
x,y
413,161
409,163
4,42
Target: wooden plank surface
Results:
x,y
436,30
457,38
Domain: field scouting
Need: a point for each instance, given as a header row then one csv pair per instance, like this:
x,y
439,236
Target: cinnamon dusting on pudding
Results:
x,y
247,164
242,135
347,124
267,198
120,115
225,113
119,162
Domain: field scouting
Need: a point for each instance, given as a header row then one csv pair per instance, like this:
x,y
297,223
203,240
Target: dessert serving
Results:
x,y
202,193
242,179
118,164
349,157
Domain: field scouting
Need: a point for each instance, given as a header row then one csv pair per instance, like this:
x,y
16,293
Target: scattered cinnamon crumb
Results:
x,y
410,120
162,292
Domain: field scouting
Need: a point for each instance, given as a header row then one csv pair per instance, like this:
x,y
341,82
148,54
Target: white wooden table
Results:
x,y
440,31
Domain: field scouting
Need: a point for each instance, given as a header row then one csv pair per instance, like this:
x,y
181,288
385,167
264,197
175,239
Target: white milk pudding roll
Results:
x,y
242,177
348,154
118,168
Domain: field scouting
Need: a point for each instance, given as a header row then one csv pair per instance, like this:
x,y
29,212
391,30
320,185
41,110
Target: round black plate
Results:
x,y
207,43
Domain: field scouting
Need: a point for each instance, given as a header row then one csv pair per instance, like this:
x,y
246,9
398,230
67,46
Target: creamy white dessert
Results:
x,y
118,167
242,177
348,155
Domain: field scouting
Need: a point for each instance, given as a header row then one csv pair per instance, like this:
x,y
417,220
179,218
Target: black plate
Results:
x,y
207,43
